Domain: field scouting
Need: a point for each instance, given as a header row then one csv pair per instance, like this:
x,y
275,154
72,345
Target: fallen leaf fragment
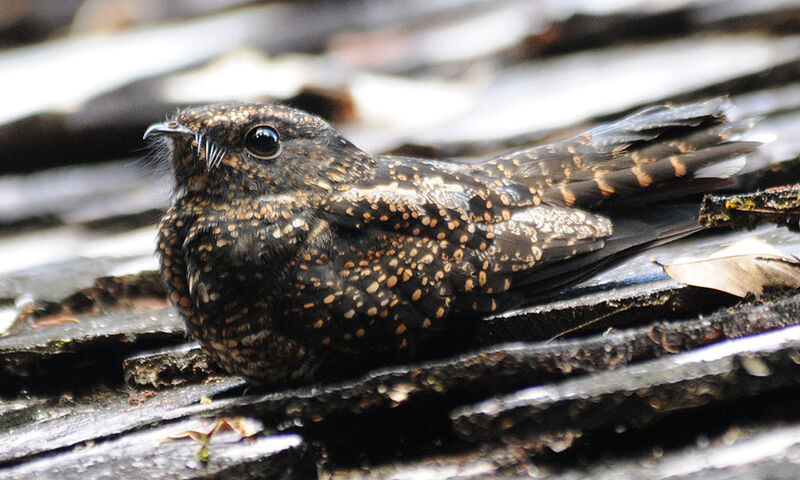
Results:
x,y
243,426
745,267
54,320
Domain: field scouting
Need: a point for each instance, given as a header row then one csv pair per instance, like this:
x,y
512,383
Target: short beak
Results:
x,y
166,128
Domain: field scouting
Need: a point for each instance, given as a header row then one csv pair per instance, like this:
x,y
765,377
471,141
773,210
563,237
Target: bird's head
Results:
x,y
256,148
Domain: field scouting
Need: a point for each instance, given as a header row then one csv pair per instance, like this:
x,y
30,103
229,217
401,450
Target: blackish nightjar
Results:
x,y
287,247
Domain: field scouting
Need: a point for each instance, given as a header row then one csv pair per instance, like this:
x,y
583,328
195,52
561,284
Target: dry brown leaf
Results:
x,y
243,426
745,267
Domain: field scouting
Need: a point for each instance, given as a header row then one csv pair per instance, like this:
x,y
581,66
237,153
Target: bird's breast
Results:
x,y
261,232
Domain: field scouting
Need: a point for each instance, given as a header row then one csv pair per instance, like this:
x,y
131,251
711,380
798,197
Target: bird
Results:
x,y
291,253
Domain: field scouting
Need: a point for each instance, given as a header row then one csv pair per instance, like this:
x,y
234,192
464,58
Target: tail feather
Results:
x,y
659,152
652,152
658,121
712,163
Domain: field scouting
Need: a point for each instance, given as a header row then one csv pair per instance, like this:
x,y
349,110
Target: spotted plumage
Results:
x,y
287,246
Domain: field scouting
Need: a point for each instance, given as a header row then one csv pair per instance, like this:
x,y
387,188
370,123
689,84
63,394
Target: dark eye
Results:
x,y
262,141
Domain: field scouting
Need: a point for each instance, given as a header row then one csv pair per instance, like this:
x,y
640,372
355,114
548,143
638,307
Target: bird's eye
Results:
x,y
262,142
